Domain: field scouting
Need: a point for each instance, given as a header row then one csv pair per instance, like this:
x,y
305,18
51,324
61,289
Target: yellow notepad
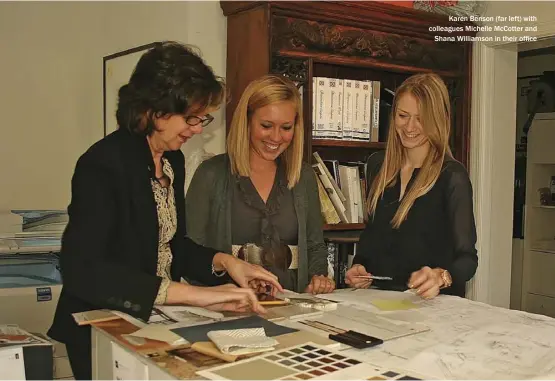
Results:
x,y
394,304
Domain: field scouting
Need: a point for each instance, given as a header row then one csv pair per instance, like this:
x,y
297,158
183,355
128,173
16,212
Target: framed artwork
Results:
x,y
117,69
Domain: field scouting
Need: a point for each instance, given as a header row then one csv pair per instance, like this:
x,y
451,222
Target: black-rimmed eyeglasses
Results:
x,y
193,120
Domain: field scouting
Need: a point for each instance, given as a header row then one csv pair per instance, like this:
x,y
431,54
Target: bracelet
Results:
x,y
218,273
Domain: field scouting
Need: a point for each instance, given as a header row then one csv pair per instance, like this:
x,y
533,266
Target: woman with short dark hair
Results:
x,y
125,246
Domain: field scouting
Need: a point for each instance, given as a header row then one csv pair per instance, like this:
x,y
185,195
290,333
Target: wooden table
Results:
x,y
466,340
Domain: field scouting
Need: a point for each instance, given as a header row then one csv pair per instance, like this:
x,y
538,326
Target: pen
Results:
x,y
375,277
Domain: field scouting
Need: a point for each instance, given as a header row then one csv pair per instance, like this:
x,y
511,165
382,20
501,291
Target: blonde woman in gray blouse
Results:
x,y
259,200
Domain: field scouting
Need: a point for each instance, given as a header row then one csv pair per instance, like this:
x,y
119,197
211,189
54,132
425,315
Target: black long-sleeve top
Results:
x,y
109,253
439,231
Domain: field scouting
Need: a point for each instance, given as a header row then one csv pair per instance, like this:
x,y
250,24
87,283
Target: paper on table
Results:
x,y
404,316
351,318
308,301
497,350
182,313
394,304
160,333
363,297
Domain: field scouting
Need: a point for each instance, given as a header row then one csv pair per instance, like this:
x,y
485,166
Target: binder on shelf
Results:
x,y
328,174
375,130
334,197
328,210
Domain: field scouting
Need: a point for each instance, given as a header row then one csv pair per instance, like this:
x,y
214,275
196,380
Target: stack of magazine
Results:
x,y
31,231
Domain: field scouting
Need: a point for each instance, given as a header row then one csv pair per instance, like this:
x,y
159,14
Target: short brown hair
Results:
x,y
170,78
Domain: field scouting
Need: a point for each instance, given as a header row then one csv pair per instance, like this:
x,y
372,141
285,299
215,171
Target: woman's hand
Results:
x,y
320,284
226,297
233,299
351,277
262,287
224,287
426,282
243,272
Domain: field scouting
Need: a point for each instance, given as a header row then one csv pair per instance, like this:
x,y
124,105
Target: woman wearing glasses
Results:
x,y
259,200
125,246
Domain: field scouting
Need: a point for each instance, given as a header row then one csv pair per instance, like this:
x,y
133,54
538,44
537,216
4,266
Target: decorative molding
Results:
x,y
293,68
464,9
293,34
481,169
480,165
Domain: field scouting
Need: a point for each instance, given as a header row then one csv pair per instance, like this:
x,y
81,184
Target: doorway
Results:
x,y
535,67
492,164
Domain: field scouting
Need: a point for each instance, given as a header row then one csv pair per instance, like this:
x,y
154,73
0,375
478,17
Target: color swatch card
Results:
x,y
301,362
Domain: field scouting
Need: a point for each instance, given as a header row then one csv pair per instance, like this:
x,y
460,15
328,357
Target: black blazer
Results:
x,y
110,246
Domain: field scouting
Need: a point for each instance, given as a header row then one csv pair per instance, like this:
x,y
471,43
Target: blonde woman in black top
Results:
x,y
420,230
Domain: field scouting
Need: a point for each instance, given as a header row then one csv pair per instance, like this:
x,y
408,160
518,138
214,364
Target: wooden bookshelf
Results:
x,y
338,227
347,143
358,40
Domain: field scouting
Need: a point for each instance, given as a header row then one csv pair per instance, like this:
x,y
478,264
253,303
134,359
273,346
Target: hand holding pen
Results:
x,y
358,277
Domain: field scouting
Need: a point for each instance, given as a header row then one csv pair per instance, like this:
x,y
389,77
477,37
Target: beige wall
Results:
x,y
51,76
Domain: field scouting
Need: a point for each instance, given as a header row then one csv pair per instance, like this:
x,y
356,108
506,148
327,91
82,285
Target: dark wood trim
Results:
x,y
308,118
342,236
537,52
248,36
234,7
347,143
328,227
365,63
379,16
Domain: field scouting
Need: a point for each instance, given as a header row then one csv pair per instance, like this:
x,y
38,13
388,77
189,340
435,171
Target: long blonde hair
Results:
x,y
435,115
261,92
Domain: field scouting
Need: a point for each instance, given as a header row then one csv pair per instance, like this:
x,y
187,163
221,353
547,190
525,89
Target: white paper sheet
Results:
x,y
364,297
350,318
471,340
186,313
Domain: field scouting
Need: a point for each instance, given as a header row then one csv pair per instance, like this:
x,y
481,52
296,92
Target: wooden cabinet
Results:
x,y
349,40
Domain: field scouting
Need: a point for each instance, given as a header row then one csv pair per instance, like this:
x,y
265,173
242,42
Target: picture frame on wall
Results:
x,y
117,69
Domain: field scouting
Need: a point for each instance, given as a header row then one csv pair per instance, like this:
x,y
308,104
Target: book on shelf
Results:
x,y
375,120
350,187
364,114
348,101
336,201
345,109
333,168
351,176
334,184
328,210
